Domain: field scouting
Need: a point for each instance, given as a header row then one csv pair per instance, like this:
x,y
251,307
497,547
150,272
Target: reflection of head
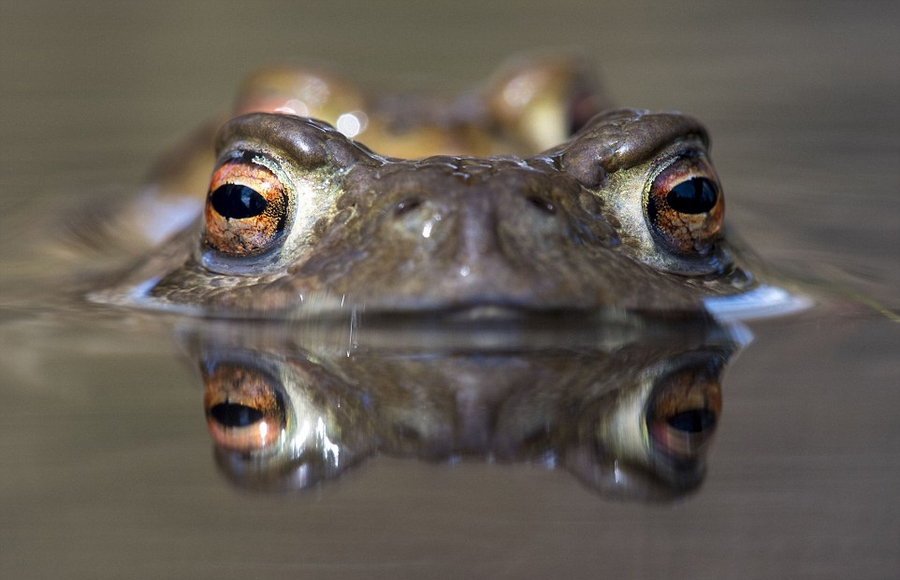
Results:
x,y
278,423
651,440
635,421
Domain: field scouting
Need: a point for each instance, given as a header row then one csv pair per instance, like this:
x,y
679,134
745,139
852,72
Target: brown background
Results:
x,y
105,466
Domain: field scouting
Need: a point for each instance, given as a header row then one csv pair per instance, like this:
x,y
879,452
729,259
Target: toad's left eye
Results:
x,y
247,209
684,206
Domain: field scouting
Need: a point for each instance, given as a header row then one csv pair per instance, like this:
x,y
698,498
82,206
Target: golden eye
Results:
x,y
247,209
684,411
244,410
685,206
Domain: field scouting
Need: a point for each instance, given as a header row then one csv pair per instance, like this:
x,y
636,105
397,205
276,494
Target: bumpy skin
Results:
x,y
563,229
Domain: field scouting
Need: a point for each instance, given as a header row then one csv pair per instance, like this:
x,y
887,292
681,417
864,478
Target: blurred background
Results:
x,y
105,468
791,91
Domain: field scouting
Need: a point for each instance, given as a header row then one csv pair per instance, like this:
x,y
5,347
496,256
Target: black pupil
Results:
x,y
234,415
233,201
692,421
696,195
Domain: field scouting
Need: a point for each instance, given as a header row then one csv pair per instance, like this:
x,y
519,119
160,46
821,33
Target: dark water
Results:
x,y
106,465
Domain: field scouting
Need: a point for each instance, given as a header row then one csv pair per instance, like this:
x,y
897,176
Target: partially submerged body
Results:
x,y
529,196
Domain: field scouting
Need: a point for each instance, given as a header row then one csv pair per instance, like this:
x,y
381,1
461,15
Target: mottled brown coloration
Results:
x,y
564,229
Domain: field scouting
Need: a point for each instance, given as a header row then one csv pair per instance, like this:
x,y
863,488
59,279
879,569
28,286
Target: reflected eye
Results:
x,y
244,409
685,207
247,209
685,410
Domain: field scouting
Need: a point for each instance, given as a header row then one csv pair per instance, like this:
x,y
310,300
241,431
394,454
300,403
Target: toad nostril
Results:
x,y
542,204
407,205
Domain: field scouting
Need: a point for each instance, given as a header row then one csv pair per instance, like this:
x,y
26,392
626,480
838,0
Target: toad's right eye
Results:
x,y
247,209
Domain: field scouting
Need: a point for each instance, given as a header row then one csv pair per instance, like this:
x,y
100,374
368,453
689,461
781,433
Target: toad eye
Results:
x,y
684,410
684,206
244,409
247,209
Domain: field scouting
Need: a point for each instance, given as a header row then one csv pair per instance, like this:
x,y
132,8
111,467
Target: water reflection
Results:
x,y
629,407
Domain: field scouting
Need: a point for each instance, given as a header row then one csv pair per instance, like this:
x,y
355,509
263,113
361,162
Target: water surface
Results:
x,y
106,465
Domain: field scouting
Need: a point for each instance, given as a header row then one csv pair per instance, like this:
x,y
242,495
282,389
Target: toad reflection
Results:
x,y
629,411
